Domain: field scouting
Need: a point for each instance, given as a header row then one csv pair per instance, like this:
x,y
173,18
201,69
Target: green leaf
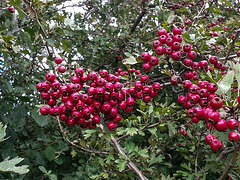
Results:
x,y
121,164
184,165
150,109
40,119
2,132
129,61
154,159
185,10
166,178
131,131
109,158
130,147
172,129
171,17
225,84
8,86
50,153
143,113
237,73
42,169
10,166
214,9
128,54
8,38
227,3
143,153
21,13
89,133
138,59
153,131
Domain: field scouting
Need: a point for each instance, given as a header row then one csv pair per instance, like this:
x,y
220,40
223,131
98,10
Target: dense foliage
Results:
x,y
96,35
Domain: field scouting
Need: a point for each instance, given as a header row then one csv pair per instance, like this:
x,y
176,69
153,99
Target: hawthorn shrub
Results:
x,y
148,91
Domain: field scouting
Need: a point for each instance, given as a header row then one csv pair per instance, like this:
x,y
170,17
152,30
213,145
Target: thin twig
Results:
x,y
130,163
232,46
138,20
146,127
230,164
79,147
225,152
196,17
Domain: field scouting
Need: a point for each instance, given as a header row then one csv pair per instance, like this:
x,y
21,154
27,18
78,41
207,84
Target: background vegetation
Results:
x,y
99,37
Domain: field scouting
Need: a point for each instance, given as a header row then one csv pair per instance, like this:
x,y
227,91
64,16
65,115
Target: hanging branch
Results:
x,y
225,152
33,12
196,17
232,46
130,163
230,164
138,20
79,147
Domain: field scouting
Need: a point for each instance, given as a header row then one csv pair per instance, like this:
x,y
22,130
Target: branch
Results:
x,y
197,153
33,12
229,57
196,17
79,147
130,163
146,127
224,152
138,20
230,164
232,46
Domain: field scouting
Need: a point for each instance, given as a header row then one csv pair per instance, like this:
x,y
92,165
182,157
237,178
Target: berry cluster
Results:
x,y
90,97
203,104
169,44
10,8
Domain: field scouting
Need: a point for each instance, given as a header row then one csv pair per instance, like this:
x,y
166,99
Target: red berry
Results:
x,y
216,145
189,74
58,60
50,77
209,138
188,62
162,39
182,99
177,30
177,38
176,46
216,103
111,126
162,32
145,56
156,44
156,86
176,55
61,69
221,125
144,79
213,59
192,55
146,66
153,61
187,48
233,124
174,79
233,136
212,88
160,50
44,110
169,41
